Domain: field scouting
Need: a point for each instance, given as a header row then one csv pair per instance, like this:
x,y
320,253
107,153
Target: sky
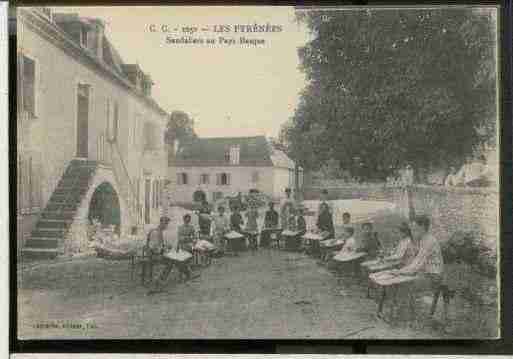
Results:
x,y
229,90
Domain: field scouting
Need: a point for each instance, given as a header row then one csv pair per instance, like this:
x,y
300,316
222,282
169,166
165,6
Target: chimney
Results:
x,y
95,37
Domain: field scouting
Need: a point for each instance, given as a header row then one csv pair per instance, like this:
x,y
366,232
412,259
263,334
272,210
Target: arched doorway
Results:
x,y
105,207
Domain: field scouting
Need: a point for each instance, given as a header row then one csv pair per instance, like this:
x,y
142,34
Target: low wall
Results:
x,y
451,208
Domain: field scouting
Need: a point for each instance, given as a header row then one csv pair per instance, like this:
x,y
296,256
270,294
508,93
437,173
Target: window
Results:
x,y
223,179
204,179
28,87
234,154
254,177
182,178
83,36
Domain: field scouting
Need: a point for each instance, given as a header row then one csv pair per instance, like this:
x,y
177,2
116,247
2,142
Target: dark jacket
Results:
x,y
236,222
271,219
325,223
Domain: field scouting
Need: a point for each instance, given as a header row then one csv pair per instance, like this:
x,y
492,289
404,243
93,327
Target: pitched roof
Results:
x,y
254,152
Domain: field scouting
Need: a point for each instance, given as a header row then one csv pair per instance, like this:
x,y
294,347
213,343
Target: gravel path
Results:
x,y
270,294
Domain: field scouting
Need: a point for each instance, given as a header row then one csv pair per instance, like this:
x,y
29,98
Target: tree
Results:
x,y
179,127
391,87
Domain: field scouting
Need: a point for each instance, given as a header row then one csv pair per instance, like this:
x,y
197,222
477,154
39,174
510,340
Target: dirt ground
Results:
x,y
270,294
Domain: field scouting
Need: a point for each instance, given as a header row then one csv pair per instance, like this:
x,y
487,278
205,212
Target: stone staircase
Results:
x,y
47,238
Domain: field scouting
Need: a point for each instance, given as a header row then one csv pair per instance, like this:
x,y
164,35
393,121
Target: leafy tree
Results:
x,y
391,87
179,127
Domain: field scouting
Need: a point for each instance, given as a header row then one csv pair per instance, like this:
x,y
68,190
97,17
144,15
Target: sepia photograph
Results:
x,y
257,172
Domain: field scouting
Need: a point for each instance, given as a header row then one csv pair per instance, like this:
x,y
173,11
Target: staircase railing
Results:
x,y
123,177
108,153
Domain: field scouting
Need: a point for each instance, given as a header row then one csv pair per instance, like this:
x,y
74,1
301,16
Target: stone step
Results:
x,y
61,207
73,182
58,215
40,253
63,197
42,243
53,223
48,232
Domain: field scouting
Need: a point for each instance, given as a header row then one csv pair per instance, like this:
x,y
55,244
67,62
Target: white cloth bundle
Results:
x,y
204,245
313,236
289,233
179,256
233,235
343,256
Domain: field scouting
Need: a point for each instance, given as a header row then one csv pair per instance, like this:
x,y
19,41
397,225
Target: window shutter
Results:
x,y
218,179
228,179
179,178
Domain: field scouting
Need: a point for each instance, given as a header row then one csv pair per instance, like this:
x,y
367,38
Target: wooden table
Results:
x,y
388,279
313,240
270,232
236,241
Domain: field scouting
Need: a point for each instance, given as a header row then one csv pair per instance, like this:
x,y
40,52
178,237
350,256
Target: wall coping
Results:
x,y
434,188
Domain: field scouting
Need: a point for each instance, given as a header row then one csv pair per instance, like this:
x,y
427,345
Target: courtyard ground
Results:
x,y
270,294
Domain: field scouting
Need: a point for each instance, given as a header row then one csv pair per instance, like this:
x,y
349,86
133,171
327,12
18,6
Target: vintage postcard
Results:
x,y
257,173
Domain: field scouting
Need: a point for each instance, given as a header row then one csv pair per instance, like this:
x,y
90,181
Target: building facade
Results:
x,y
90,136
225,166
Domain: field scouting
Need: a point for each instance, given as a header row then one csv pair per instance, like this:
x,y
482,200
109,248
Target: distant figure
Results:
x,y
236,221
451,179
369,241
221,227
271,220
252,225
324,199
204,220
325,222
285,210
346,219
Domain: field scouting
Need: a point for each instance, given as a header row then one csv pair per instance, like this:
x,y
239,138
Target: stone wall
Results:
x,y
451,209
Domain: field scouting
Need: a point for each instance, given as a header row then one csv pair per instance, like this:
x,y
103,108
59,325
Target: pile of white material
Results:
x,y
106,243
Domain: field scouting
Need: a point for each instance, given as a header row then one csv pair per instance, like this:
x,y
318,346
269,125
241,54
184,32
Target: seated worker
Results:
x,y
346,219
271,220
325,227
324,200
297,224
369,241
406,249
335,243
350,245
325,222
251,229
204,219
186,241
155,248
428,264
236,223
221,227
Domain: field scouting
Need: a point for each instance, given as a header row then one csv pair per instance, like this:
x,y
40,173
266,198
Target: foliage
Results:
x,y
391,87
179,127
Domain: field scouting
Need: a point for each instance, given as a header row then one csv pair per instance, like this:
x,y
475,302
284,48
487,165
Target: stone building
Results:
x,y
90,135
224,166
